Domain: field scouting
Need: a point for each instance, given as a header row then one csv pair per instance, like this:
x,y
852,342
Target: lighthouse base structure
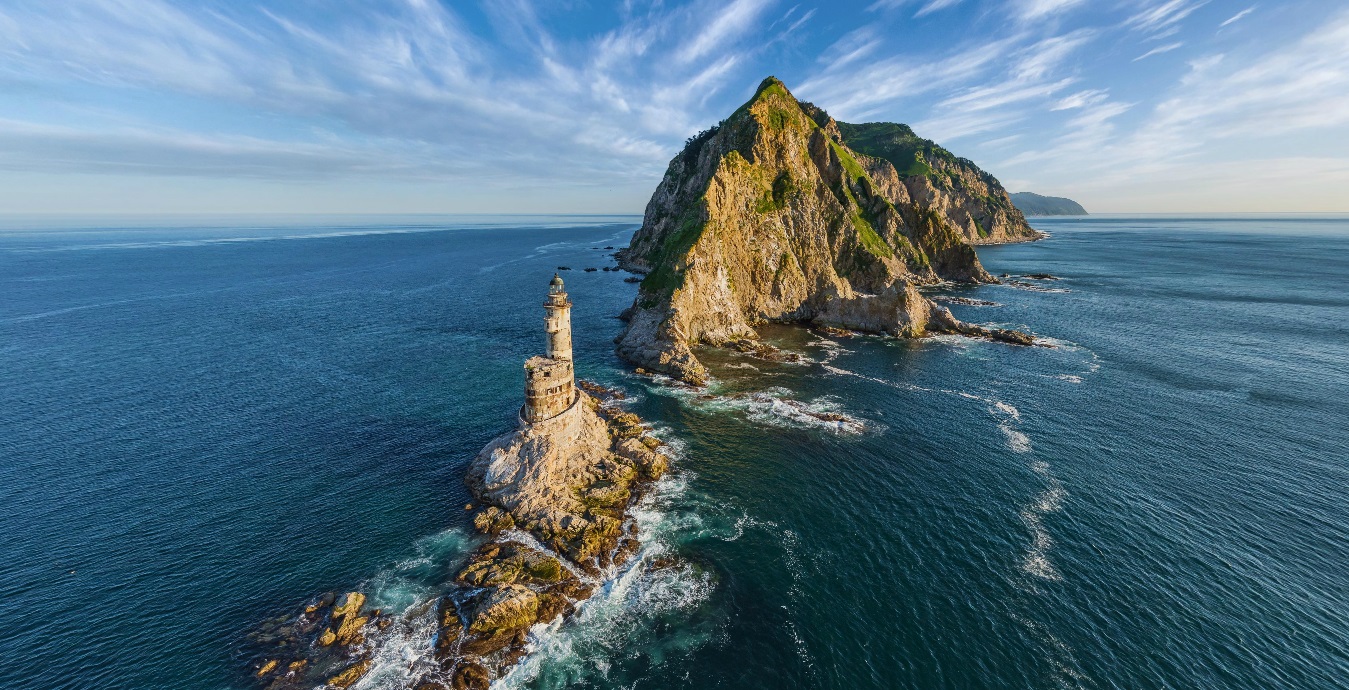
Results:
x,y
550,388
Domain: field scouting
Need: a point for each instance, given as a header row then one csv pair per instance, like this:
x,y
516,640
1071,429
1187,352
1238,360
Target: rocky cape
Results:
x,y
778,215
553,501
1033,204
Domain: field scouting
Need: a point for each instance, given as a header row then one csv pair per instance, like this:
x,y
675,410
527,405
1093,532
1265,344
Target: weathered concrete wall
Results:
x,y
550,388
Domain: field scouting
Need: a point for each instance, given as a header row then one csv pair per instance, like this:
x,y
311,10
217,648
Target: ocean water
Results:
x,y
205,422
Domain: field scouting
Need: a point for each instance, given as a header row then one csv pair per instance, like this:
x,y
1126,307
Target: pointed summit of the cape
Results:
x,y
771,216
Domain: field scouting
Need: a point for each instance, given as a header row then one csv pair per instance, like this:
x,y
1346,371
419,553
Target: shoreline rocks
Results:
x,y
323,644
567,486
968,301
553,500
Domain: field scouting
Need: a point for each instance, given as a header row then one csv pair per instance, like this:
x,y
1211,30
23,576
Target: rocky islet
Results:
x,y
553,500
771,216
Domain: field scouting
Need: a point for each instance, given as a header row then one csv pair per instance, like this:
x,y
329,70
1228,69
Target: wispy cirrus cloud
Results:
x,y
413,74
1159,50
1034,74
1299,87
737,17
1283,95
855,89
1163,19
1028,10
597,98
1081,99
1237,17
935,6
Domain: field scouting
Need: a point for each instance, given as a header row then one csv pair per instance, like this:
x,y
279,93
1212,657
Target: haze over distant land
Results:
x,y
1033,204
148,106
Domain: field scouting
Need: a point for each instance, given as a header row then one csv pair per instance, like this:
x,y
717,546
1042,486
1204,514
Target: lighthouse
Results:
x,y
557,321
550,381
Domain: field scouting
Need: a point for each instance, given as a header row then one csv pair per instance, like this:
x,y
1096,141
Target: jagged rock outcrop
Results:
x,y
969,199
324,644
772,217
564,480
568,483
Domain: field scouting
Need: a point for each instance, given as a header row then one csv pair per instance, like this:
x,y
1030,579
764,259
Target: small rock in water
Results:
x,y
268,667
629,279
664,562
564,268
1040,276
471,676
969,301
348,677
591,270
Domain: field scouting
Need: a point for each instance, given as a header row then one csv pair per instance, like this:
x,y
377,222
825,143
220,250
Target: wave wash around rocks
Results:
x,y
555,498
771,217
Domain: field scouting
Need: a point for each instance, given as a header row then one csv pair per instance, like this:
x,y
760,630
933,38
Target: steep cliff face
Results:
x,y
971,200
771,216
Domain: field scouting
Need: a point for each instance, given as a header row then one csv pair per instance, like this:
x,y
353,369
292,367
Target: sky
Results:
x,y
430,106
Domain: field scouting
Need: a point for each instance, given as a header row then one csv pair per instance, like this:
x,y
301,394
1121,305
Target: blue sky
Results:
x,y
144,106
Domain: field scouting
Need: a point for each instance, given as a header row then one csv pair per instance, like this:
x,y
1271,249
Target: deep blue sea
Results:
x,y
204,422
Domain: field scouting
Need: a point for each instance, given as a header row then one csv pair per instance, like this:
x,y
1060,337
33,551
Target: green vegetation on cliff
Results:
x,y
911,154
773,215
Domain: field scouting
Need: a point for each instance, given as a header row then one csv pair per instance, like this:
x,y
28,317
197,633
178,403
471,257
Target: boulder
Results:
x,y
352,605
470,676
508,607
268,667
650,463
349,632
493,520
349,675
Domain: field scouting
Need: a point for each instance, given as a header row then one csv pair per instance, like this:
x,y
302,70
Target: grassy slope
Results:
x,y
908,152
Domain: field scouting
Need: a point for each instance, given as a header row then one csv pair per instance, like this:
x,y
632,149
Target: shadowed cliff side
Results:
x,y
770,216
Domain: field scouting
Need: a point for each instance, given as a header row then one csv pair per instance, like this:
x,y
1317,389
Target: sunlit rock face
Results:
x,y
772,217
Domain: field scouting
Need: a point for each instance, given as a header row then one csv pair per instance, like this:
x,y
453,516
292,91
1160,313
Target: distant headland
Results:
x,y
1033,204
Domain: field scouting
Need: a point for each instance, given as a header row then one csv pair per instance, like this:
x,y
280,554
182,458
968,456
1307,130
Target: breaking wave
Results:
x,y
629,609
630,604
775,407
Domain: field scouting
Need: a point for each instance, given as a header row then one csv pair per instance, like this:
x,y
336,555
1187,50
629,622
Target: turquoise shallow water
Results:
x,y
204,423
